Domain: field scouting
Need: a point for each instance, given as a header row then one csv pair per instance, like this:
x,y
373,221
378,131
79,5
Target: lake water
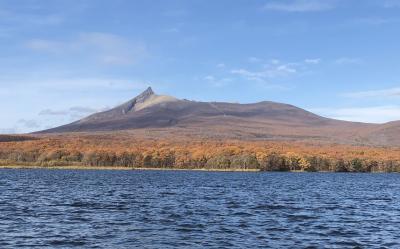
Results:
x,y
188,209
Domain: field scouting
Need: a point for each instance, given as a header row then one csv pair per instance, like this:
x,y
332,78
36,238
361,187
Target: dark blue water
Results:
x,y
168,209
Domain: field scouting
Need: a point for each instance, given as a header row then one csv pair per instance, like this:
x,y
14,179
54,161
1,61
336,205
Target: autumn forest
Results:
x,y
129,151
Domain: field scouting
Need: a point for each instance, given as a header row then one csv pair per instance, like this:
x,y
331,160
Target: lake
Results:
x,y
192,209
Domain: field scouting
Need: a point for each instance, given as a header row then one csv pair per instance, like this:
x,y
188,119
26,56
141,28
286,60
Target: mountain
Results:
x,y
166,115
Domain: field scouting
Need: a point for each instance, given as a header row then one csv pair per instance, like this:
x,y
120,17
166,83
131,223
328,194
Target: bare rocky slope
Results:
x,y
163,114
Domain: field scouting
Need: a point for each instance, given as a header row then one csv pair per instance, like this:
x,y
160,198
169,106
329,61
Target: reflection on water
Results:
x,y
169,209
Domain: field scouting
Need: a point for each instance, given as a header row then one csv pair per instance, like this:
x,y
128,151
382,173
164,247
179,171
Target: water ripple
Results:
x,y
183,209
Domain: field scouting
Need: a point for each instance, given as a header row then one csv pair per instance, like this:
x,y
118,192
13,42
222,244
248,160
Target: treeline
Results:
x,y
131,150
14,138
218,158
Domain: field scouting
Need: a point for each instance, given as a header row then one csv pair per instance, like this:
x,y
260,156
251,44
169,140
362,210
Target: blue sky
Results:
x,y
61,60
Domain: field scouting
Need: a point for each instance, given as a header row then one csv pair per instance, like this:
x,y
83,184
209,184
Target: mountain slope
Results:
x,y
263,120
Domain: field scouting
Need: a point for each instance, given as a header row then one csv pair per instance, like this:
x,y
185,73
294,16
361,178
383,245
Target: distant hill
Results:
x,y
259,121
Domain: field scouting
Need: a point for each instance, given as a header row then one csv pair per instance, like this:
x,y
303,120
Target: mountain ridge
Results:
x,y
261,120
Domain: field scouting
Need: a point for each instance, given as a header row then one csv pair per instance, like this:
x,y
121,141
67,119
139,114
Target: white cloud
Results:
x,y
48,118
275,61
275,69
104,48
21,126
270,71
348,60
70,99
391,92
50,112
285,69
30,124
374,114
217,82
73,113
312,61
209,78
46,46
254,59
86,110
221,65
299,5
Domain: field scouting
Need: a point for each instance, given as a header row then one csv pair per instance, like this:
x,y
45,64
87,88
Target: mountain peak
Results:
x,y
145,94
141,98
149,90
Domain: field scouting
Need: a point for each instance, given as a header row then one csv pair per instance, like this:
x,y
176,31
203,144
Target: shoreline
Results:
x,y
122,168
72,167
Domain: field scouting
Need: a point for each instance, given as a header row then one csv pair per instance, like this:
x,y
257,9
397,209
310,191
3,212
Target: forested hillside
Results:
x,y
128,150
